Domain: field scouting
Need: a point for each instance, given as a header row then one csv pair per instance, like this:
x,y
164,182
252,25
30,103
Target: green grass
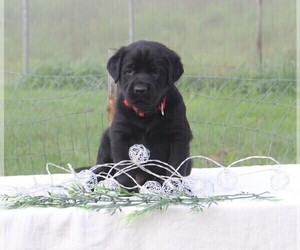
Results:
x,y
212,37
235,122
60,119
52,124
47,119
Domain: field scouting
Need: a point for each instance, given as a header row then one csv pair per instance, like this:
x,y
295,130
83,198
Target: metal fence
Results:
x,y
60,119
212,36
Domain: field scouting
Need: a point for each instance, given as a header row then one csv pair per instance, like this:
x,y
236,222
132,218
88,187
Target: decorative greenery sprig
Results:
x,y
111,201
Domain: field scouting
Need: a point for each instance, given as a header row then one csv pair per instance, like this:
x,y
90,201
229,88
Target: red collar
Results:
x,y
141,114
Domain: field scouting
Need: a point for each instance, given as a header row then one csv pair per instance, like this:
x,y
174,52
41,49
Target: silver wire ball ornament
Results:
x,y
138,154
87,179
110,183
197,186
172,185
151,187
279,180
227,180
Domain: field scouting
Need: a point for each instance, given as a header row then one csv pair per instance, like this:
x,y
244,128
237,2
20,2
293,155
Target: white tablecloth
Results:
x,y
240,224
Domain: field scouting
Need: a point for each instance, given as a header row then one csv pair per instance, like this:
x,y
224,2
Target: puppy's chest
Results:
x,y
157,142
150,131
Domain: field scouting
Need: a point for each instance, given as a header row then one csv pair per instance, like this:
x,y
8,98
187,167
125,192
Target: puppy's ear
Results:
x,y
114,64
175,67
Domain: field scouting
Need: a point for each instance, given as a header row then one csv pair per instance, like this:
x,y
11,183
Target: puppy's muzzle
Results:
x,y
141,89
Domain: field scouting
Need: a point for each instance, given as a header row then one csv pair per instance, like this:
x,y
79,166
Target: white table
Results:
x,y
241,224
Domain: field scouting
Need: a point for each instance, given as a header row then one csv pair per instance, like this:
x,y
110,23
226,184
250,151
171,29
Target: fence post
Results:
x,y
259,31
25,38
112,91
1,88
298,80
131,20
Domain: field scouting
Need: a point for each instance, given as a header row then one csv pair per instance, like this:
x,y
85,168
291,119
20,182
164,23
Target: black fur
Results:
x,y
146,73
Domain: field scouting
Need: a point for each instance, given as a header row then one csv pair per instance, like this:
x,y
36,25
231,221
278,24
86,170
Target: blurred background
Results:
x,y
239,83
213,37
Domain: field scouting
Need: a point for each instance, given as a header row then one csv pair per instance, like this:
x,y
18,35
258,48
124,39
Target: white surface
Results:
x,y
231,225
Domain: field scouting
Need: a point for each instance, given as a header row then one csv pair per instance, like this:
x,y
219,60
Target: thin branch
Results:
x,y
116,200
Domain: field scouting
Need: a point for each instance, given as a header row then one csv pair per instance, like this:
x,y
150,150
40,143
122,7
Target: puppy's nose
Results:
x,y
140,89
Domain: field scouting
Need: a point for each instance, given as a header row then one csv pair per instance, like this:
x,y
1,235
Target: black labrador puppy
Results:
x,y
149,110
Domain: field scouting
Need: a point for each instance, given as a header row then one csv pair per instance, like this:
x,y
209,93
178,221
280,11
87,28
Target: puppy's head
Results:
x,y
145,72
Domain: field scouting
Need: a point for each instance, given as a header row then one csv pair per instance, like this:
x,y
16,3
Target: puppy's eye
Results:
x,y
129,71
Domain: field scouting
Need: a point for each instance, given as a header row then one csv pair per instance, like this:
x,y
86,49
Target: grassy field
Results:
x,y
213,37
238,118
59,118
47,120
